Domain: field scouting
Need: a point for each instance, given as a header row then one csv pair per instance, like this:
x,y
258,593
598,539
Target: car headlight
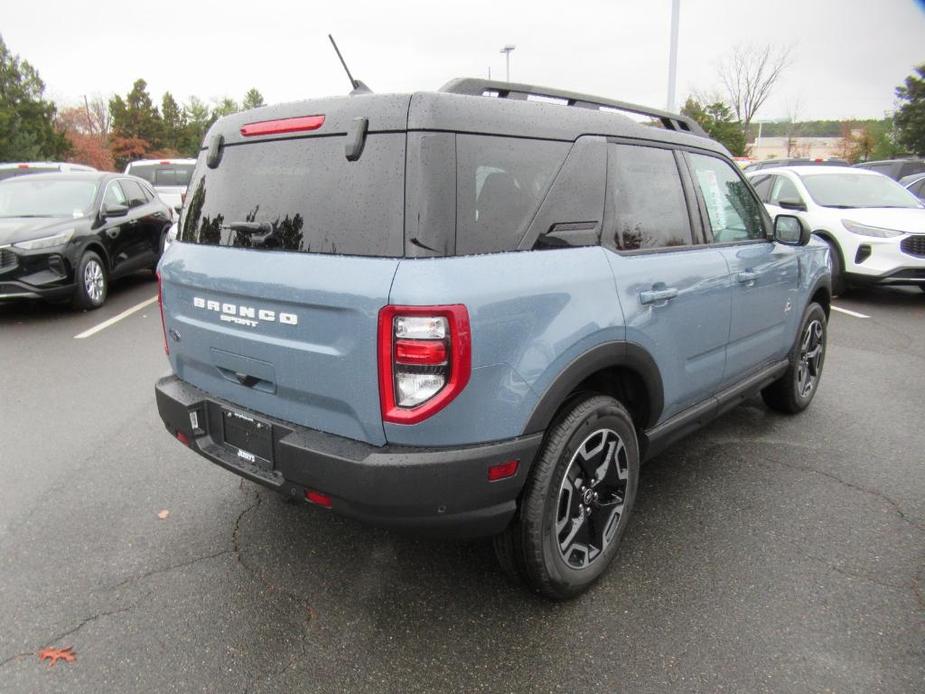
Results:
x,y
867,230
46,241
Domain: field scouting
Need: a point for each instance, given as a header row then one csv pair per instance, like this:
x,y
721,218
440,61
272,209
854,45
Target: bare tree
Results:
x,y
749,74
793,128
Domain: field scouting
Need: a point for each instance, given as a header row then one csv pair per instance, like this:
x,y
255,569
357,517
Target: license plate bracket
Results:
x,y
248,437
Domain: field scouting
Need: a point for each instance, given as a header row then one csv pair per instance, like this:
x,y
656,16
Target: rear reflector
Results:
x,y
22,166
284,125
183,438
163,162
502,471
318,498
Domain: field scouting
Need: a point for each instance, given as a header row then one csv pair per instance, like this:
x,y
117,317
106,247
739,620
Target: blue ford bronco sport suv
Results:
x,y
475,311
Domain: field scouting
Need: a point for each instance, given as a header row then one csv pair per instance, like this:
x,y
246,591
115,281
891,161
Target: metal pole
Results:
x,y
673,54
507,60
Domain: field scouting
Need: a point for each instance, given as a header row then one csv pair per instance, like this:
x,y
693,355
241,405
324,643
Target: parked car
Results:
x,y
170,177
915,184
456,312
875,228
895,168
65,236
795,161
14,169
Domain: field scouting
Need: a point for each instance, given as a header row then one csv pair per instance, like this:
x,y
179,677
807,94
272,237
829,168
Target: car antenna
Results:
x,y
358,86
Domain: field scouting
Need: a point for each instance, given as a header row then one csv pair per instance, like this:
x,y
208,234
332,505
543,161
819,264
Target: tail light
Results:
x,y
424,360
160,304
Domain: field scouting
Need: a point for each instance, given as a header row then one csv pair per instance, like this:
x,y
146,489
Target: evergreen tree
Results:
x,y
910,118
27,130
718,121
137,126
253,99
174,123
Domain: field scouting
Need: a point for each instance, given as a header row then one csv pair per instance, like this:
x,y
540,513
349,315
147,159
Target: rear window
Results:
x,y
164,175
301,195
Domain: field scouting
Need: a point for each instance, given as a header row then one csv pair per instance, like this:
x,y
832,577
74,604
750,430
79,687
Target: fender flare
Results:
x,y
607,355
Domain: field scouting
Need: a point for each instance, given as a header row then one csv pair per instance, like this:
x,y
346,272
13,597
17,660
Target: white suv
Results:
x,y
874,227
168,176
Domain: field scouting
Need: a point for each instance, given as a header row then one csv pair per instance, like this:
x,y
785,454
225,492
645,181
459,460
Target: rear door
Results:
x,y
673,289
763,274
285,254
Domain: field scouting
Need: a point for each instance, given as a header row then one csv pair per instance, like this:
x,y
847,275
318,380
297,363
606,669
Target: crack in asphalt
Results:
x,y
166,569
851,485
302,625
74,630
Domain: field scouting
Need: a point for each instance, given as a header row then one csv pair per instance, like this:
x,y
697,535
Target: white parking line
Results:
x,y
842,310
115,319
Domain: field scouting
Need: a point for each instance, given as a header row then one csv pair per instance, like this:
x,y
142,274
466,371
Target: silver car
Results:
x,y
168,176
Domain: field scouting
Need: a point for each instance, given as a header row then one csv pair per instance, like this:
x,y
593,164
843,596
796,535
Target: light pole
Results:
x,y
507,60
673,54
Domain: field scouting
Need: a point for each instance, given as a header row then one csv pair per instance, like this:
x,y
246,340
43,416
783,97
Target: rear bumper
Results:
x,y
435,491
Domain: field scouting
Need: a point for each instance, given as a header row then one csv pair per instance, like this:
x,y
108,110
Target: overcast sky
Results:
x,y
848,55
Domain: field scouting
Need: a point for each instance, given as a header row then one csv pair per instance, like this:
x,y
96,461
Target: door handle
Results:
x,y
654,296
747,278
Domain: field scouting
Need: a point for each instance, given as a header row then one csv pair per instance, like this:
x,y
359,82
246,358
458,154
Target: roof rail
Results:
x,y
473,86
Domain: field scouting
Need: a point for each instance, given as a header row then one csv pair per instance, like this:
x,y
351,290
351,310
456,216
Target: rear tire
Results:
x,y
793,391
577,501
92,282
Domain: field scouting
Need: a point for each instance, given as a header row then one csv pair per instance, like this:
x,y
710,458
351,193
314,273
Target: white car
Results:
x,y
170,177
24,168
875,228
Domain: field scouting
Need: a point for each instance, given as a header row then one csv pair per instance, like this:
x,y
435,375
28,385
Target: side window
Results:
x,y
918,188
762,186
114,195
646,198
735,214
784,189
133,192
500,182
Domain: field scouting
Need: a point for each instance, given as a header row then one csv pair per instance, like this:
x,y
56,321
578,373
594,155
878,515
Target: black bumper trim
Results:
x,y
13,289
436,491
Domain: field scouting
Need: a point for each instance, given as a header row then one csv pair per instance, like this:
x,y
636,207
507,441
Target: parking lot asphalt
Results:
x,y
766,553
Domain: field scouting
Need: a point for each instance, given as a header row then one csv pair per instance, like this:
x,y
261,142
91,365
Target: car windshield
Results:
x,y
32,197
164,175
849,190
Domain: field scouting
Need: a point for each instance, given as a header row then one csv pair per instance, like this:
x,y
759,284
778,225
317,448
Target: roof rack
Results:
x,y
473,86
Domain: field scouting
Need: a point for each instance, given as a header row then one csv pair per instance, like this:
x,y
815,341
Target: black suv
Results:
x,y
64,236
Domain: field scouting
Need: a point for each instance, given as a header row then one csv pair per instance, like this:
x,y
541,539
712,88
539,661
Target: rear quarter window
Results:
x,y
501,182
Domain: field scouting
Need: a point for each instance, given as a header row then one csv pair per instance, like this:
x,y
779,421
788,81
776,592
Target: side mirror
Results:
x,y
113,211
791,230
797,205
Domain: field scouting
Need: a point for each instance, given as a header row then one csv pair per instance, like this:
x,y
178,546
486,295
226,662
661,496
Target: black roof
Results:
x,y
478,106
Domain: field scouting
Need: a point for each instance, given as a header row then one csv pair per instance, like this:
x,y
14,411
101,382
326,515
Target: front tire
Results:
x,y
839,284
793,391
92,282
577,501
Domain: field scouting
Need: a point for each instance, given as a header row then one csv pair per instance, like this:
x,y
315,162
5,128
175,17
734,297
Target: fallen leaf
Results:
x,y
163,514
55,654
